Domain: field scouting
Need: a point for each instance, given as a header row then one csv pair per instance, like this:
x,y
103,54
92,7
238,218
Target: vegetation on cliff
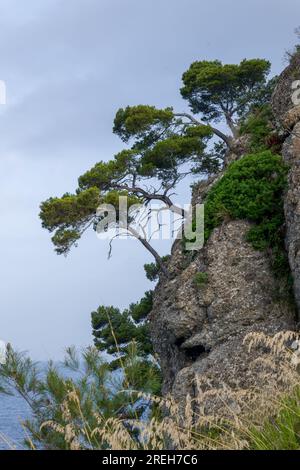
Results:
x,y
116,332
252,188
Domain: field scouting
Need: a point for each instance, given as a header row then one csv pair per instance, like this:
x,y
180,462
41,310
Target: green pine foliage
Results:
x,y
153,270
213,88
67,210
175,150
84,408
70,400
113,329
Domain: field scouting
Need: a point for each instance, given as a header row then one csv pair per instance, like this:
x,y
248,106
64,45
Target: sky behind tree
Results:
x,y
68,66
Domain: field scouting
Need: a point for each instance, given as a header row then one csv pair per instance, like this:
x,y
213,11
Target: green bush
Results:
x,y
252,189
200,279
258,125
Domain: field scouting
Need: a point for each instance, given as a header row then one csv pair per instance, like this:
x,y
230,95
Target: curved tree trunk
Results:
x,y
150,248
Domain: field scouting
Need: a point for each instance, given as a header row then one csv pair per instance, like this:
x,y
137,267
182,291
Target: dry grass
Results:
x,y
188,426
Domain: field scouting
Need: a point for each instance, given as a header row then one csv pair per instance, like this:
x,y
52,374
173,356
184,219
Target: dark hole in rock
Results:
x,y
179,341
196,351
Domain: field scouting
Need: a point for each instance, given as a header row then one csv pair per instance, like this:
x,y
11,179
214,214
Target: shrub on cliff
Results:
x,y
252,188
259,127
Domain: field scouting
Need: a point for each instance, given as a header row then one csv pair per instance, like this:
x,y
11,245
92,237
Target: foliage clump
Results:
x,y
200,279
69,216
216,89
252,189
162,145
115,331
283,431
153,270
90,408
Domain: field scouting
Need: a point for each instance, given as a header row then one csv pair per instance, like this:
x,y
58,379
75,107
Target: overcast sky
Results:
x,y
68,66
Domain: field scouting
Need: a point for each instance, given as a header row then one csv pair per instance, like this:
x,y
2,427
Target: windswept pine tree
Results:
x,y
163,146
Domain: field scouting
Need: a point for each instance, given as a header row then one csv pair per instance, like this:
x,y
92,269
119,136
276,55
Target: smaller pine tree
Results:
x,y
115,331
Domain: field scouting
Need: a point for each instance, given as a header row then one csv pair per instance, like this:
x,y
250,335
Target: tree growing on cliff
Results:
x,y
115,331
226,92
163,147
289,54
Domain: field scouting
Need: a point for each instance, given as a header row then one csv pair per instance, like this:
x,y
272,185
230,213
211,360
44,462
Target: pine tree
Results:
x,y
163,147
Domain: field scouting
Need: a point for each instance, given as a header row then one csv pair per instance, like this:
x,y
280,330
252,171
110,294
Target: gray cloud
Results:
x,y
69,65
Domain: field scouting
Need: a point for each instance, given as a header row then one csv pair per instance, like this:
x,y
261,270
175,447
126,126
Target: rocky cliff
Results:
x,y
287,113
198,323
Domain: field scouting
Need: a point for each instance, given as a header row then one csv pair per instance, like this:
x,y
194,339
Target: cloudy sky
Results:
x,y
68,66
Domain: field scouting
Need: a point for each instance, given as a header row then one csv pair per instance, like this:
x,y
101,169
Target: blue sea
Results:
x,y
13,410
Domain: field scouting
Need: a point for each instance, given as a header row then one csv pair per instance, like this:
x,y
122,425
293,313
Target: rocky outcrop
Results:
x,y
198,323
199,329
291,154
286,112
288,116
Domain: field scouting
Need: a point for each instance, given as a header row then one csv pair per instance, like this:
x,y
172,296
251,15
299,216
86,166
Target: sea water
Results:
x,y
13,410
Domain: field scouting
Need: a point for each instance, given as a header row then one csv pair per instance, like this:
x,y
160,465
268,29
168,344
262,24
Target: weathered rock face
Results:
x,y
199,329
289,115
291,154
285,111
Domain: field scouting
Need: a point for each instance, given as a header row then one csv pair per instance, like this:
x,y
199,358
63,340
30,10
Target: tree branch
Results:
x,y
152,196
229,121
226,138
150,249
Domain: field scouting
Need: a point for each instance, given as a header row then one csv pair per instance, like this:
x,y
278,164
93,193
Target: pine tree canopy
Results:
x,y
113,330
163,147
215,89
